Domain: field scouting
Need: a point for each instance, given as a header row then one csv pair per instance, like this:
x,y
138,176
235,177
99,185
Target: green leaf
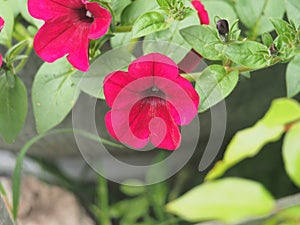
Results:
x,y
248,142
248,53
283,28
245,143
221,9
7,14
53,94
215,84
91,82
118,7
15,50
229,200
293,77
282,112
202,39
267,39
293,10
13,108
148,23
291,153
169,42
255,14
163,3
137,8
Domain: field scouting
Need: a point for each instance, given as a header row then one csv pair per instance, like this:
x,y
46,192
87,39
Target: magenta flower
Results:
x,y
149,102
69,25
1,27
202,13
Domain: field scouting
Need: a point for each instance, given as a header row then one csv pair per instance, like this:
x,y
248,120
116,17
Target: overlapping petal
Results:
x,y
149,102
153,64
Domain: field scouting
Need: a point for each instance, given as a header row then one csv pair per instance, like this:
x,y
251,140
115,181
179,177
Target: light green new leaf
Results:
x,y
282,112
53,94
229,200
202,39
248,142
91,82
118,7
7,13
13,108
293,10
214,85
255,14
137,8
291,153
248,53
293,77
148,23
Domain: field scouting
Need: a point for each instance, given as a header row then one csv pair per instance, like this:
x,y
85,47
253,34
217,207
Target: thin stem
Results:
x,y
20,66
123,29
103,201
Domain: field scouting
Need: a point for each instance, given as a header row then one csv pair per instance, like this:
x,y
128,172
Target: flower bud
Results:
x,y
223,27
273,50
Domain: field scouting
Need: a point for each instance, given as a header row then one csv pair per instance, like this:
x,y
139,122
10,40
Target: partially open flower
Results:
x,y
149,102
69,25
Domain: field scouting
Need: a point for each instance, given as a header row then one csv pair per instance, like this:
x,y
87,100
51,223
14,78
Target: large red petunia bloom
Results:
x,y
192,60
69,25
1,27
149,102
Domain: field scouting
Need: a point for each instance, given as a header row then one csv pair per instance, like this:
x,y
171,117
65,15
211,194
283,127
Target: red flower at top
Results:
x,y
69,24
202,13
1,27
149,102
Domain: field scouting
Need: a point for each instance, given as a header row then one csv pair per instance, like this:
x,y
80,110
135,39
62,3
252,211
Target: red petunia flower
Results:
x,y
192,60
69,25
202,13
1,27
149,102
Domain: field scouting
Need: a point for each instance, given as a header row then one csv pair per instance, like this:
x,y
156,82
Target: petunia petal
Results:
x,y
0,60
1,23
78,54
150,117
117,125
153,64
182,101
120,89
202,13
56,38
49,9
102,19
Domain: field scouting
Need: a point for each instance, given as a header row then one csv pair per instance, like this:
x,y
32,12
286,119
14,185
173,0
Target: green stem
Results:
x,y
123,29
20,66
103,201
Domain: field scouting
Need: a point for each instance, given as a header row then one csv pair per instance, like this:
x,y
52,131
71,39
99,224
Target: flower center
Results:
x,y
89,14
154,92
85,15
